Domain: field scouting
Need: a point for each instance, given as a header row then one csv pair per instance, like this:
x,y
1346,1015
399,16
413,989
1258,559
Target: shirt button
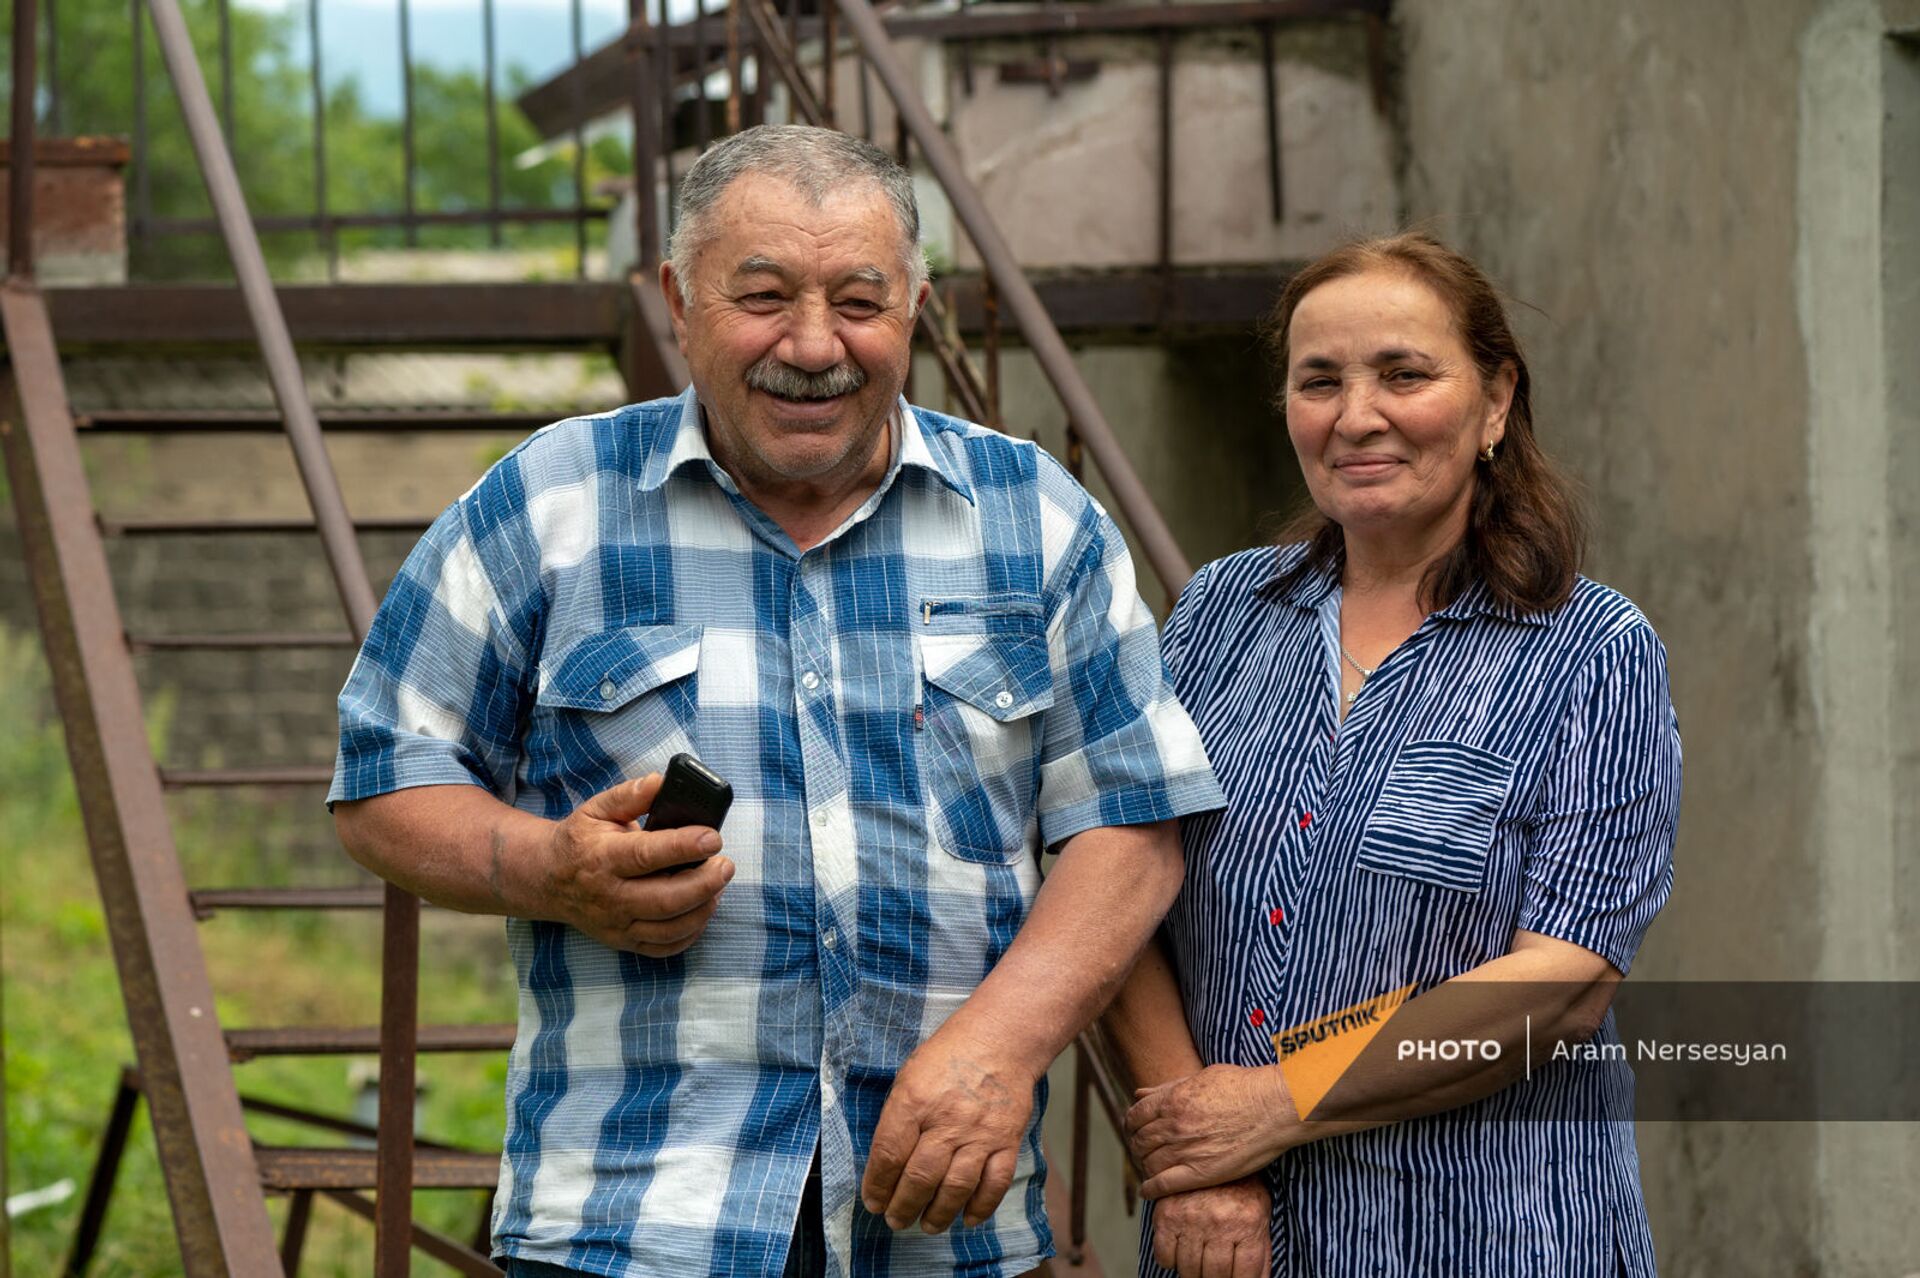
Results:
x,y
1004,699
831,937
809,681
1276,916
1306,819
607,689
827,1097
820,818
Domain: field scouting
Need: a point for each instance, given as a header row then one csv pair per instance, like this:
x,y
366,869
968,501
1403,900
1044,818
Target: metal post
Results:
x,y
21,145
225,9
756,104
1050,54
702,127
829,63
56,120
663,70
1083,411
327,246
733,66
412,232
142,170
491,71
579,147
646,215
1166,166
1275,190
399,1021
294,1240
1082,1143
990,321
966,57
106,1169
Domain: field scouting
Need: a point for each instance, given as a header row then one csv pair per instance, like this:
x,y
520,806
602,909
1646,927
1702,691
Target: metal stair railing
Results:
x,y
212,1183
214,1172
186,1056
400,939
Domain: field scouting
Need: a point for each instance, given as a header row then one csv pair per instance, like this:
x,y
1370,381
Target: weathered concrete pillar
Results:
x,y
1717,210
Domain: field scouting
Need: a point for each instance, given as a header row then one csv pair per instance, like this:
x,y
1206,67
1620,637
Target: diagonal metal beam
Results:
x,y
1083,411
400,925
211,1177
442,1248
263,310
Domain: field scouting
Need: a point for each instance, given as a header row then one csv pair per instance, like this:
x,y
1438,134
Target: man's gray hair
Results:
x,y
820,162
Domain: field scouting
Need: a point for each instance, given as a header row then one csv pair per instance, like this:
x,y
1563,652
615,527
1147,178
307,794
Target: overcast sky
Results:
x,y
361,38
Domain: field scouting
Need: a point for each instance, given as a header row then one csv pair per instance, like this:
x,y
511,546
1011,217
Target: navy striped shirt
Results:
x,y
1499,771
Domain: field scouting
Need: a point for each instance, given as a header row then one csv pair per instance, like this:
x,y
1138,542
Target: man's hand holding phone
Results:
x,y
604,875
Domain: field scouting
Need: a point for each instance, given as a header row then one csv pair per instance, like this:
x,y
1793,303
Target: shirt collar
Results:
x,y
923,447
681,443
1477,600
1311,589
684,442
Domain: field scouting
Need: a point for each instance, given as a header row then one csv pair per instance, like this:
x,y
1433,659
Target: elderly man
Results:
x,y
914,648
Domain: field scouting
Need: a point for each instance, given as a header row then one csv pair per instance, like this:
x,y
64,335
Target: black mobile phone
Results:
x,y
691,793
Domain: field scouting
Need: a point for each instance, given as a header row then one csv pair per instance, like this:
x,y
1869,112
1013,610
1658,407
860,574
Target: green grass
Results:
x,y
65,1023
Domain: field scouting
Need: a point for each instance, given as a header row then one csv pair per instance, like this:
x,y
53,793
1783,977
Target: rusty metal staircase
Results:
x,y
216,1172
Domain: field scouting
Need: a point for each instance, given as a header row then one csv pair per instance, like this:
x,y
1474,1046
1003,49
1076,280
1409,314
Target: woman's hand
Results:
x,y
1218,1232
1210,1127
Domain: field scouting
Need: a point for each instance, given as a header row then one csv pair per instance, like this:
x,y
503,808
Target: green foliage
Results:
x,y
66,1035
273,142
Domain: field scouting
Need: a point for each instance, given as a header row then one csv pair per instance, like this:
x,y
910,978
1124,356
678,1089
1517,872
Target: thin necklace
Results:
x,y
1365,674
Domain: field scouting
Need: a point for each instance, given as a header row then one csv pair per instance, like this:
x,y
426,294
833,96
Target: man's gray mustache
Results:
x,y
776,377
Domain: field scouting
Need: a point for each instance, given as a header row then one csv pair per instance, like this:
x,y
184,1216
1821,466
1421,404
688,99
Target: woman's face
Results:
x,y
1386,409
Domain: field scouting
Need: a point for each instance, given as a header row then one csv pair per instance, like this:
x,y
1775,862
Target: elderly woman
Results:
x,y
1452,770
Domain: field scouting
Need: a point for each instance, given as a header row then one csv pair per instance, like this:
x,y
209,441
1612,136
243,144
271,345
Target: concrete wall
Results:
x,y
1074,180
1196,422
1692,195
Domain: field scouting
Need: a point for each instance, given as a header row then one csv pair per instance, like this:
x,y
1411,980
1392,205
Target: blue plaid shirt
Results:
x,y
960,675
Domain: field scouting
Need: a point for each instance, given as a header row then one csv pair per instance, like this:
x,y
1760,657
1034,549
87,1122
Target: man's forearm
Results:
x,y
456,846
1093,915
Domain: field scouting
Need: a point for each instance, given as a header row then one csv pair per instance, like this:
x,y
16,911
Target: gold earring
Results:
x,y
1486,454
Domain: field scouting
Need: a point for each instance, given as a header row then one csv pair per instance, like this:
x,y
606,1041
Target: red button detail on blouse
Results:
x,y
1306,819
1258,1017
1276,915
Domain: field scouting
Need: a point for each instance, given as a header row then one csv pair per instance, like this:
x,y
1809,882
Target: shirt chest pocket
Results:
x,y
1435,819
985,678
613,704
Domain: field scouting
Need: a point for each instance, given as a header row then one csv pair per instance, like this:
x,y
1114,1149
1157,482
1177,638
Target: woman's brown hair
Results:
x,y
1526,533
